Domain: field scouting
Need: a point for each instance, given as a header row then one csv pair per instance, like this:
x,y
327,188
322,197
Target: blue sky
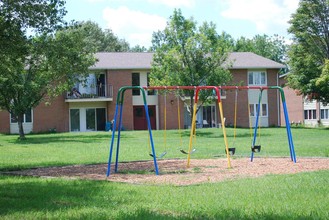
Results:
x,y
136,20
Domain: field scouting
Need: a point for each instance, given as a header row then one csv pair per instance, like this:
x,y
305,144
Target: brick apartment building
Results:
x,y
97,99
302,110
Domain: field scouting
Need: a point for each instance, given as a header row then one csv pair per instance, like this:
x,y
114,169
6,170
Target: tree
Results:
x,y
273,48
36,68
323,82
102,41
310,48
138,48
187,55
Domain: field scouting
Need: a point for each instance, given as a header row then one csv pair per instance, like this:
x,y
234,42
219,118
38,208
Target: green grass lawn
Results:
x,y
298,196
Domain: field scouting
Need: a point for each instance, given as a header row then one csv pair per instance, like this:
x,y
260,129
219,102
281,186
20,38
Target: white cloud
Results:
x,y
175,3
134,26
265,14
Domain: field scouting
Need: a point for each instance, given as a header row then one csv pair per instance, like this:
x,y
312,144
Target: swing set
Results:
x,y
228,150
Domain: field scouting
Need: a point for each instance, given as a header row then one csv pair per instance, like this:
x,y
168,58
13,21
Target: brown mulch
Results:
x,y
175,171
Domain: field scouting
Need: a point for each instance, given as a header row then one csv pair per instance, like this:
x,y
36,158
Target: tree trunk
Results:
x,y
20,119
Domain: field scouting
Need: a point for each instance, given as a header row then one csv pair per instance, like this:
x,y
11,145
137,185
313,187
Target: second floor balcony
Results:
x,y
90,93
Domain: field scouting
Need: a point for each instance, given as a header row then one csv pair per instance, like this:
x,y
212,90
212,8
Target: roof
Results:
x,y
123,60
249,60
143,60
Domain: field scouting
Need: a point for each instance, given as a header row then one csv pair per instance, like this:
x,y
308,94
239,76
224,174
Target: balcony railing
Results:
x,y
94,92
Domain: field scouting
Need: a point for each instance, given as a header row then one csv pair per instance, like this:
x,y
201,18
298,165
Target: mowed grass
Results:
x,y
298,196
93,147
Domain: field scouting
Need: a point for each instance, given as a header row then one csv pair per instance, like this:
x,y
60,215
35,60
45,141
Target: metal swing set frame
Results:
x,y
119,109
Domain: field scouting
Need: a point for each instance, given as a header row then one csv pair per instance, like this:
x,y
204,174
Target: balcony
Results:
x,y
91,93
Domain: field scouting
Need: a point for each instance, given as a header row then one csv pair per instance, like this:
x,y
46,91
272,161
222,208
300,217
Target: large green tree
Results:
x,y
189,55
101,40
271,47
310,49
38,66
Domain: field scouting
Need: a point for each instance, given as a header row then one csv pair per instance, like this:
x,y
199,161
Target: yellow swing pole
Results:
x,y
249,117
224,133
191,134
165,122
178,117
235,113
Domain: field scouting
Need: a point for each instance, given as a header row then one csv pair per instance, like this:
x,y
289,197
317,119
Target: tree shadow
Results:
x,y
43,139
22,197
26,194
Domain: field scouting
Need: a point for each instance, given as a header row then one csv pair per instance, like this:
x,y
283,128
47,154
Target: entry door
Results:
x,y
140,122
209,115
88,119
100,119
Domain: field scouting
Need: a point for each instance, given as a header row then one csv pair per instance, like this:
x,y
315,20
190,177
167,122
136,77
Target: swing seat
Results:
x,y
184,152
161,155
231,150
256,148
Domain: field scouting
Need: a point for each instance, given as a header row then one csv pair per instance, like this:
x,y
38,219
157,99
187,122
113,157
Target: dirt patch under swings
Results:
x,y
175,171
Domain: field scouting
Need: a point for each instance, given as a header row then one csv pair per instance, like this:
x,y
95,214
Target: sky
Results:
x,y
136,20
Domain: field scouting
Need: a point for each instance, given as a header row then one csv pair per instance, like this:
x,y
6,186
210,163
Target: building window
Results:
x,y
222,93
324,113
257,78
27,118
254,107
310,114
264,109
75,119
135,82
91,119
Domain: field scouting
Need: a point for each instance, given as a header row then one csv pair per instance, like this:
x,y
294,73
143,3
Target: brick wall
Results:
x,y
120,78
273,101
239,76
294,104
55,115
172,112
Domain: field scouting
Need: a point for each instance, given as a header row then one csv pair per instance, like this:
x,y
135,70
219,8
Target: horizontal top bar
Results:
x,y
206,87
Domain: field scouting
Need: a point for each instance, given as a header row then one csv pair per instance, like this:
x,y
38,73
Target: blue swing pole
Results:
x,y
119,135
120,98
151,139
256,125
288,128
112,141
150,130
291,144
113,133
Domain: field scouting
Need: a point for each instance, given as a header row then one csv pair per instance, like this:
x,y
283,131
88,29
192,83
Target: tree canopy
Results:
x,y
310,49
37,67
101,40
188,55
271,47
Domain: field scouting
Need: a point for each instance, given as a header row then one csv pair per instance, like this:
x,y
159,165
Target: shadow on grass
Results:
x,y
25,194
43,139
35,198
209,134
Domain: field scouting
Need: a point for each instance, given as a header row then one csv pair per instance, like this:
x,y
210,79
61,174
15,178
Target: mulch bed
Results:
x,y
175,172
